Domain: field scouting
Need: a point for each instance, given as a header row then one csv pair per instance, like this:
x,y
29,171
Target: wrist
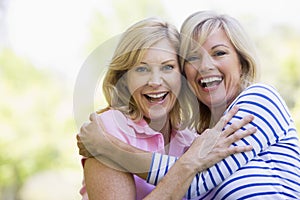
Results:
x,y
191,162
188,164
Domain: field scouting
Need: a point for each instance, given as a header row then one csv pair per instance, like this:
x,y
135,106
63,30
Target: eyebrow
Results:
x,y
218,45
164,62
170,60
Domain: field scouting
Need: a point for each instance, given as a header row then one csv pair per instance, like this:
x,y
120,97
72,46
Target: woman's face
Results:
x,y
214,71
155,82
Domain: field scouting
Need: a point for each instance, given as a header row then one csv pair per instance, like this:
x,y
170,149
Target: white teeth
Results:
x,y
158,95
211,79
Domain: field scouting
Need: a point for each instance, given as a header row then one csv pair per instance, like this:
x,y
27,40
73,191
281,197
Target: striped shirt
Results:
x,y
270,171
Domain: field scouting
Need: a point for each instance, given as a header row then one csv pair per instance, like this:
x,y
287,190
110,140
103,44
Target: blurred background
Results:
x,y
43,45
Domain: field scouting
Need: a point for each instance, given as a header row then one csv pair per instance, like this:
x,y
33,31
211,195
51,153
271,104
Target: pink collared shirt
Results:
x,y
140,135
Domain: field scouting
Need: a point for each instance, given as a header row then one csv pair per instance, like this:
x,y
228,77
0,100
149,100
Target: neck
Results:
x,y
217,113
163,126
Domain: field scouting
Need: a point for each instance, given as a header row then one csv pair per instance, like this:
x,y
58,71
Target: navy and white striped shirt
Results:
x,y
270,171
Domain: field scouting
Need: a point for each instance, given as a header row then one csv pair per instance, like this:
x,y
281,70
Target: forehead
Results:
x,y
160,49
217,37
162,45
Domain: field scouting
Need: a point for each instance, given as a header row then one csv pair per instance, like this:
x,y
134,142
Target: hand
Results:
x,y
94,141
213,145
92,136
82,150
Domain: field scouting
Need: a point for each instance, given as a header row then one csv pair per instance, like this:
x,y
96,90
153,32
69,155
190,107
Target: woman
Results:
x,y
220,67
143,88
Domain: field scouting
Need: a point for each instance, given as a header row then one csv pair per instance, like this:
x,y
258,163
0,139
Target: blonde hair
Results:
x,y
129,51
194,32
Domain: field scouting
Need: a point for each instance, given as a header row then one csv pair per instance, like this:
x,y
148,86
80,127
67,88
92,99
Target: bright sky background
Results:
x,y
53,33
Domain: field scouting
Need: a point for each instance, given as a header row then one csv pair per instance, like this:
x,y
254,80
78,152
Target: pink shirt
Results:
x,y
140,135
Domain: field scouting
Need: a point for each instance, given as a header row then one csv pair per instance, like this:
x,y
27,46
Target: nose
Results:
x,y
206,63
155,79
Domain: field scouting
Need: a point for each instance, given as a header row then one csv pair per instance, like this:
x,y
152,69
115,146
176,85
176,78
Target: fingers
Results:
x,y
82,150
242,134
85,153
236,125
238,149
93,116
78,139
235,149
226,118
83,128
79,142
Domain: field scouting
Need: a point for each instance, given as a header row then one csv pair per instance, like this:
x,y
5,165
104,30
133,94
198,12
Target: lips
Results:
x,y
211,81
156,97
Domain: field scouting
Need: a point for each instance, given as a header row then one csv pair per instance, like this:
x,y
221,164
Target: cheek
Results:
x,y
134,83
232,71
236,77
174,83
191,74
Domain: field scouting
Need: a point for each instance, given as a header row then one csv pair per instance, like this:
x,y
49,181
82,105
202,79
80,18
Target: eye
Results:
x,y
167,67
141,69
192,58
219,53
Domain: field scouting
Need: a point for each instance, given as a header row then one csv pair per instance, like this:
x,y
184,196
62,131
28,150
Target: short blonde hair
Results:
x,y
129,51
194,32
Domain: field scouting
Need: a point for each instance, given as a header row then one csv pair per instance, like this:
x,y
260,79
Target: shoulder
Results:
x,y
116,123
112,115
261,93
263,101
260,88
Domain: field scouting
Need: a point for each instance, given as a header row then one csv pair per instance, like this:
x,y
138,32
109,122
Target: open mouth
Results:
x,y
210,81
156,97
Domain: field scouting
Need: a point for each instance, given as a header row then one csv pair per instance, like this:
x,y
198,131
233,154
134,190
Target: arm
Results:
x,y
106,148
213,145
205,151
103,182
272,121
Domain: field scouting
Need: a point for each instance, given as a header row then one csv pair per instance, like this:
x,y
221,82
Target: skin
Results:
x,y
216,59
114,184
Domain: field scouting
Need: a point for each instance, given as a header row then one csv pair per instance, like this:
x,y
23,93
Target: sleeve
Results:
x,y
272,120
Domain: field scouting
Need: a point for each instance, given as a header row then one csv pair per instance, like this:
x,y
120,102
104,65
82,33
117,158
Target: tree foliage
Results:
x,y
33,128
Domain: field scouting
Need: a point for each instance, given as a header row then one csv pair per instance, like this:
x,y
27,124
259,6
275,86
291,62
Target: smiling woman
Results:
x,y
219,70
155,82
142,87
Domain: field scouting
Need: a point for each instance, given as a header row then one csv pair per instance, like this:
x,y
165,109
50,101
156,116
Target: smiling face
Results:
x,y
155,82
214,71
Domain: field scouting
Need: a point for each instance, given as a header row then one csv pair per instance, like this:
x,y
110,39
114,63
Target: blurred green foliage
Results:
x,y
34,126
